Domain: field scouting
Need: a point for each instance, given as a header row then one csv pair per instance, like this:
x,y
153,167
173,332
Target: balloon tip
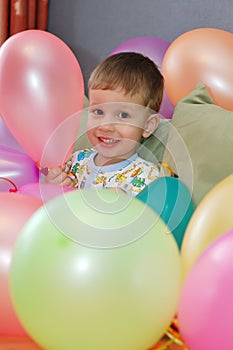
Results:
x,y
43,170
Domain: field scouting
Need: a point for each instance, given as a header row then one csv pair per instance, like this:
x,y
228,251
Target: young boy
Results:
x,y
125,94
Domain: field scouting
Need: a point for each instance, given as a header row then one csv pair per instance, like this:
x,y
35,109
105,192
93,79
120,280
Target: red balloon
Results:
x,y
201,55
44,191
19,343
15,210
41,86
7,139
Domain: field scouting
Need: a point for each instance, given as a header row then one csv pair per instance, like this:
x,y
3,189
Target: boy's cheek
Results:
x,y
91,137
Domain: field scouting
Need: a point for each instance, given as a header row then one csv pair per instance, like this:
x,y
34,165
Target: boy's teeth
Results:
x,y
109,141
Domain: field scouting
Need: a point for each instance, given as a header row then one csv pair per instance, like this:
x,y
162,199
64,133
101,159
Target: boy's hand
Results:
x,y
58,176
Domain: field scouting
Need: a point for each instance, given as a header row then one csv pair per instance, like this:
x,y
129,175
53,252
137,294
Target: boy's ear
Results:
x,y
151,125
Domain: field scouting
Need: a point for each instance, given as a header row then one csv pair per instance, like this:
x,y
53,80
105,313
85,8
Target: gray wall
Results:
x,y
93,28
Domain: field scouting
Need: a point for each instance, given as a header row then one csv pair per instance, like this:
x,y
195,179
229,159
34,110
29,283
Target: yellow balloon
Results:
x,y
212,217
95,270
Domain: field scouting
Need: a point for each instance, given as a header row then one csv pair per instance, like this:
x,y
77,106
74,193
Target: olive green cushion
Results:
x,y
200,142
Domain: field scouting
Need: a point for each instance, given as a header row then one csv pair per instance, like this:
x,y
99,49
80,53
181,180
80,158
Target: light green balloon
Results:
x,y
70,295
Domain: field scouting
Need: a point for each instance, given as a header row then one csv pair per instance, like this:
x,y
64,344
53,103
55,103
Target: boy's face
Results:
x,y
116,123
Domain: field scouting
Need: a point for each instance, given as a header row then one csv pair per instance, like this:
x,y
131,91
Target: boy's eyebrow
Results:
x,y
122,105
93,103
129,104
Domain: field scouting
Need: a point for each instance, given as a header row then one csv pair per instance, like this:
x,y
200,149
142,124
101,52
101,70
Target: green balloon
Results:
x,y
171,199
73,294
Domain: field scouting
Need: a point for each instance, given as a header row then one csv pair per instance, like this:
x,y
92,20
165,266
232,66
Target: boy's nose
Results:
x,y
106,126
107,123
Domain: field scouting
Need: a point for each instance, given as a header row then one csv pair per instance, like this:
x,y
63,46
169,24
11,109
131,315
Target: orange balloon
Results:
x,y
212,218
201,55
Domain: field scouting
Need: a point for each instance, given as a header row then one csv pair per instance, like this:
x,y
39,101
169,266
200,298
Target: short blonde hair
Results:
x,y
134,74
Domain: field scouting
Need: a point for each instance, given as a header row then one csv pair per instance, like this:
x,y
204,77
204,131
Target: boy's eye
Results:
x,y
123,115
98,112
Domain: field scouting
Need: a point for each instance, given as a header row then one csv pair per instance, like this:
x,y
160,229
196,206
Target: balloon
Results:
x,y
101,261
7,139
206,304
171,200
200,55
15,210
41,85
212,217
17,167
44,191
19,343
154,48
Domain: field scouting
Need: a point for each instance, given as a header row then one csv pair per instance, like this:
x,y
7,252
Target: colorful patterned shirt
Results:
x,y
130,175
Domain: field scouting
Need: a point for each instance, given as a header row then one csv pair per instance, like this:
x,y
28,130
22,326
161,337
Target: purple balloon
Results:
x,y
7,139
16,169
155,49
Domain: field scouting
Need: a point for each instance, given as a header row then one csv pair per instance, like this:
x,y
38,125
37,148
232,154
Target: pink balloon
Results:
x,y
155,49
15,210
7,139
17,167
206,304
41,86
44,191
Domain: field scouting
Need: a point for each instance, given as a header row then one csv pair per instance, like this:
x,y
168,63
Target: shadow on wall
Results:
x,y
89,60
